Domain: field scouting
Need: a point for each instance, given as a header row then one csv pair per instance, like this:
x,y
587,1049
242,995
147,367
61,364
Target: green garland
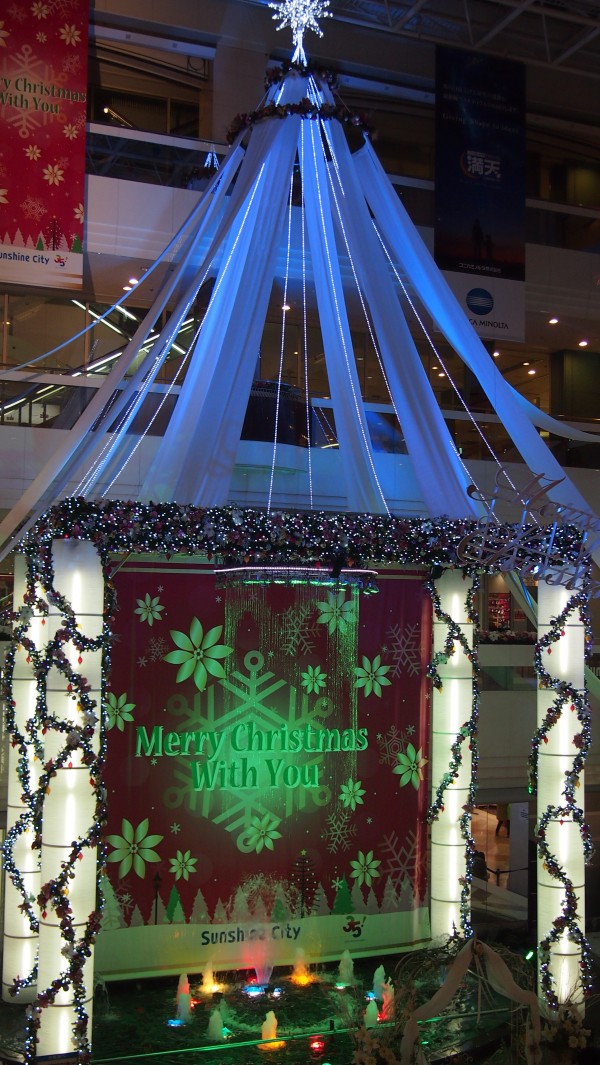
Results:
x,y
577,702
54,894
305,109
468,733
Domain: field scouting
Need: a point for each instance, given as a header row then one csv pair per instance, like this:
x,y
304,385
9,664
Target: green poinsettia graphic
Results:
x,y
410,766
351,793
149,608
314,679
118,710
198,654
371,676
262,832
133,848
365,868
337,612
182,865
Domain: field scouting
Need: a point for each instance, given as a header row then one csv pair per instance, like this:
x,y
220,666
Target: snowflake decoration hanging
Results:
x,y
300,15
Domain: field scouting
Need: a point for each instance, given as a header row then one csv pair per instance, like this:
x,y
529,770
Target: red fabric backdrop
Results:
x,y
222,832
43,83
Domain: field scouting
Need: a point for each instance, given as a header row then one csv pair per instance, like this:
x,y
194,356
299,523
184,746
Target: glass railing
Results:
x,y
154,159
55,401
180,162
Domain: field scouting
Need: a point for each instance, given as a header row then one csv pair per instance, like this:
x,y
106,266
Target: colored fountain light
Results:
x,y
269,1032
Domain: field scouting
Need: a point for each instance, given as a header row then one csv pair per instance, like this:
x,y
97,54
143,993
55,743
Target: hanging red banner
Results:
x,y
43,83
266,773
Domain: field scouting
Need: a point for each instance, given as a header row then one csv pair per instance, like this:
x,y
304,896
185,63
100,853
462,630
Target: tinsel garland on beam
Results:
x,y
576,701
236,536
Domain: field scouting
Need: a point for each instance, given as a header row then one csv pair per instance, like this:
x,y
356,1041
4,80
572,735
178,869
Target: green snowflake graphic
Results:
x,y
313,680
262,832
364,869
410,766
371,676
149,608
197,654
133,848
351,793
336,613
182,865
118,710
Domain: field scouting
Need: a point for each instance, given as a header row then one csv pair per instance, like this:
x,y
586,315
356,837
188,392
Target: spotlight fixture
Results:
x,y
531,373
133,281
553,321
286,307
496,354
110,111
583,344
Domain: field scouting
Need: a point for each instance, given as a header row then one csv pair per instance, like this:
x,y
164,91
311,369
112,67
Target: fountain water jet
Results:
x,y
379,979
371,1014
346,969
387,994
215,1027
209,985
301,974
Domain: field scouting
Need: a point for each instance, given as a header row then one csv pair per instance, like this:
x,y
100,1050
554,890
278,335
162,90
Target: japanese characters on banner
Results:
x,y
266,773
480,188
43,82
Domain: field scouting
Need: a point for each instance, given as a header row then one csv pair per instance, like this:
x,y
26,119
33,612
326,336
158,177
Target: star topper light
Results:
x,y
300,15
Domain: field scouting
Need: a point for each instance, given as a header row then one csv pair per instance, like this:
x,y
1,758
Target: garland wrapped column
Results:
x,y
70,832
559,750
453,752
21,859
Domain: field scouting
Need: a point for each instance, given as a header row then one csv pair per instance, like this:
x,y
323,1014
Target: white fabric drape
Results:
x,y
500,978
441,475
518,417
364,493
81,443
195,461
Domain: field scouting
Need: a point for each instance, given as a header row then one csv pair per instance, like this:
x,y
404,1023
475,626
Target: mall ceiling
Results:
x,y
560,34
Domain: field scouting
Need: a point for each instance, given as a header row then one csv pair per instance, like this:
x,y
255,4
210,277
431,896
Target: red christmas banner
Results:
x,y
266,772
43,83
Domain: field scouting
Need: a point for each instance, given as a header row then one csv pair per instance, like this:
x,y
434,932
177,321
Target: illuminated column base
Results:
x,y
20,944
69,804
564,660
452,708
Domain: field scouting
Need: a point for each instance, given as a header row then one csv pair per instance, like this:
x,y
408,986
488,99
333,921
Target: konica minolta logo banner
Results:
x,y
496,311
480,301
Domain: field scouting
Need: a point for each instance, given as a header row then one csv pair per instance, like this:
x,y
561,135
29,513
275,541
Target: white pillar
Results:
x,y
452,710
561,859
69,805
20,942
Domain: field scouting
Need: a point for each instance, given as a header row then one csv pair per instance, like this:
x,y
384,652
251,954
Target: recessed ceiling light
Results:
x,y
286,307
126,288
133,280
441,375
434,367
496,354
553,321
531,372
526,364
583,343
